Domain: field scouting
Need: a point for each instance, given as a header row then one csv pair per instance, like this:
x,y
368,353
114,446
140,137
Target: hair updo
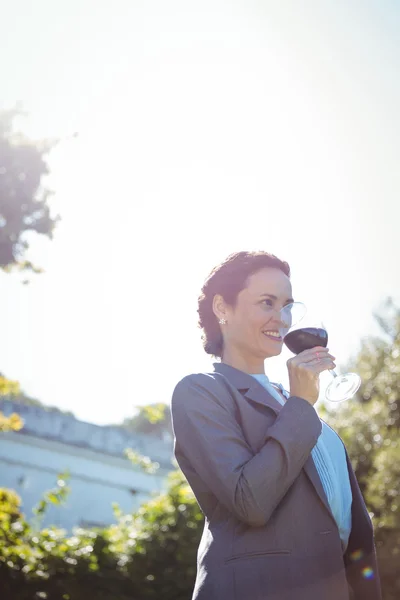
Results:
x,y
228,279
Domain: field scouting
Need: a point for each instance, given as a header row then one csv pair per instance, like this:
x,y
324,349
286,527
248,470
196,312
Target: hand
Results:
x,y
304,370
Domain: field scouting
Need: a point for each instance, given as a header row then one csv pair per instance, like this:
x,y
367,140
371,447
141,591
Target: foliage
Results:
x,y
10,390
369,426
57,495
160,543
23,198
8,387
148,555
144,462
11,423
152,419
10,504
14,421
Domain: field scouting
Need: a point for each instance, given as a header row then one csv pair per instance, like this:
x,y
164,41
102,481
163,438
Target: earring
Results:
x,y
222,322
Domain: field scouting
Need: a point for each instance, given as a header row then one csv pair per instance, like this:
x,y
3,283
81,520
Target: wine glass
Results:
x,y
298,339
291,315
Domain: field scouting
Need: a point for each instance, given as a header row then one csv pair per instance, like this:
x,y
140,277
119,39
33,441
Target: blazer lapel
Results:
x,y
250,387
257,393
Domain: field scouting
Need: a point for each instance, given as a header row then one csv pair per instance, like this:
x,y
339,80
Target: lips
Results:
x,y
273,335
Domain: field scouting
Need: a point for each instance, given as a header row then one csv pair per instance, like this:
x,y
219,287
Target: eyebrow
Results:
x,y
288,301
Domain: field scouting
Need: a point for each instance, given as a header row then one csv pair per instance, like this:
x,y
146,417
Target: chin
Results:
x,y
271,352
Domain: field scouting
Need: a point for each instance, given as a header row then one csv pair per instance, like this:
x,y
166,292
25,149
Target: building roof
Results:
x,y
106,439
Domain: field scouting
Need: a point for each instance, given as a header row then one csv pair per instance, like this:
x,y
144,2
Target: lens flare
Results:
x,y
367,573
356,555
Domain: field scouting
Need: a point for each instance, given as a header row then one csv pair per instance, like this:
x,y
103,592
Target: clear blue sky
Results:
x,y
204,128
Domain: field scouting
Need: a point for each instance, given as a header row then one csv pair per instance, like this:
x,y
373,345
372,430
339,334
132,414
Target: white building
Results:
x,y
51,443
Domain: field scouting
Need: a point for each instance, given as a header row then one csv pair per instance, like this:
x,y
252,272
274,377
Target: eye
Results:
x,y
267,302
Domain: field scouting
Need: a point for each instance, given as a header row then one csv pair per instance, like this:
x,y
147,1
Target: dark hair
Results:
x,y
228,279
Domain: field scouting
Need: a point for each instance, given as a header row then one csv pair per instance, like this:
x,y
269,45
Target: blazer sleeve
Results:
x,y
209,437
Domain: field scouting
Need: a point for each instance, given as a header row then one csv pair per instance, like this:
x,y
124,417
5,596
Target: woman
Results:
x,y
284,516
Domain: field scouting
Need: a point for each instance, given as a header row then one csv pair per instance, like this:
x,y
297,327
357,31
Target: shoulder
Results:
x,y
207,386
206,381
197,378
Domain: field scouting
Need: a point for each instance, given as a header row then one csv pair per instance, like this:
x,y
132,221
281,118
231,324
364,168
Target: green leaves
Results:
x,y
137,557
144,462
9,389
23,199
152,419
11,423
57,495
155,412
370,427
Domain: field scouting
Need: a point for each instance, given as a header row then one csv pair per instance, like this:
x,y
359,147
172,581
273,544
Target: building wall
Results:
x,y
100,475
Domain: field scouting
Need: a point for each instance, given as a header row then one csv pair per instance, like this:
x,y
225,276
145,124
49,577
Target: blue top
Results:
x,y
330,460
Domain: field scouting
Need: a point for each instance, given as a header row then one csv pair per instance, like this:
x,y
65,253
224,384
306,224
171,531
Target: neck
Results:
x,y
249,364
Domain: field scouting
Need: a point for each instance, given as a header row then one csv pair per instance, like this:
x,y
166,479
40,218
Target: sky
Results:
x,y
187,131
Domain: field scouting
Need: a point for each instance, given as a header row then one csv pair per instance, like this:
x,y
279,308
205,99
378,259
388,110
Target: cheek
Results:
x,y
261,319
250,326
245,331
257,325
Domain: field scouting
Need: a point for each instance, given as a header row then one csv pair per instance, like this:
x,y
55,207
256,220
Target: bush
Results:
x,y
151,554
369,425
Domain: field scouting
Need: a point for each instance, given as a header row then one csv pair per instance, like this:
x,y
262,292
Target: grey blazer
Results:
x,y
269,533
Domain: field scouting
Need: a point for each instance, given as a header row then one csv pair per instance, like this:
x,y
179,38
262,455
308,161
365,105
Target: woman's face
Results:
x,y
253,325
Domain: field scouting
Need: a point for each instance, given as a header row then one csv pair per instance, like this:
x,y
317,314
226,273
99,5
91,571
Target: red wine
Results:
x,y
306,338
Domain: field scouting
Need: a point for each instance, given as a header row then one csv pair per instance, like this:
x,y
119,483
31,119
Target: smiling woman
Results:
x,y
284,516
253,324
225,288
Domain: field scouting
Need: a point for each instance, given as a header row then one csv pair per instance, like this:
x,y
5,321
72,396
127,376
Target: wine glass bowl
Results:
x,y
298,339
291,315
306,338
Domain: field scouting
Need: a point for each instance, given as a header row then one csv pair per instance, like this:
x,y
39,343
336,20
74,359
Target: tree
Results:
x,y
148,555
152,419
10,390
13,422
23,198
370,427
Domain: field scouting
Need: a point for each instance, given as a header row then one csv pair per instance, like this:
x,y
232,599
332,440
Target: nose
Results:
x,y
283,320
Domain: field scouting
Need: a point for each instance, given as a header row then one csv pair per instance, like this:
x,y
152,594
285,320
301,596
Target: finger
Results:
x,y
319,348
318,356
309,357
313,351
318,366
317,361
